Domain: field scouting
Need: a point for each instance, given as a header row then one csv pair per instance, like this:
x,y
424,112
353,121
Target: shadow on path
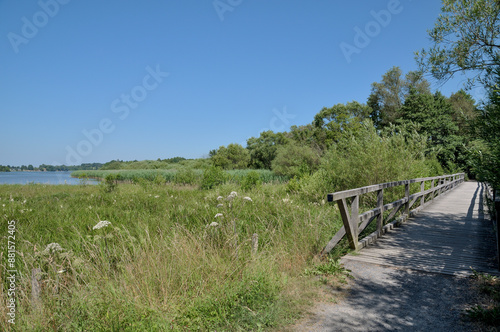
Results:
x,y
386,299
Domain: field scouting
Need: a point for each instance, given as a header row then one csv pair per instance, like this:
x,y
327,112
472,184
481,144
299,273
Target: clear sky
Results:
x,y
92,81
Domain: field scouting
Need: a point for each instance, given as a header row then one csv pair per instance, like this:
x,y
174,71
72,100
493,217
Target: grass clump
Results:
x,y
488,311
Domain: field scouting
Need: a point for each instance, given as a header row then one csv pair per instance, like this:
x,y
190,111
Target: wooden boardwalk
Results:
x,y
451,236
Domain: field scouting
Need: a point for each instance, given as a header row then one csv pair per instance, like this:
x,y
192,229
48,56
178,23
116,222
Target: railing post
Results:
x,y
350,220
433,192
496,199
422,190
380,205
407,195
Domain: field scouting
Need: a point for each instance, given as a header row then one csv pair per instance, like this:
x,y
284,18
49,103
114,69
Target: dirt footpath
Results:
x,y
386,299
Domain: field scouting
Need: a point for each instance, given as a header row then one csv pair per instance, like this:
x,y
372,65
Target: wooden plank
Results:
x,y
349,226
334,241
332,197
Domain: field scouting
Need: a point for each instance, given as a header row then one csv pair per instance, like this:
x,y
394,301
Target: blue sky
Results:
x,y
92,81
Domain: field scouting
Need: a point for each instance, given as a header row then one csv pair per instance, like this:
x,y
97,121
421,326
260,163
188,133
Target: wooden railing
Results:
x,y
355,223
493,195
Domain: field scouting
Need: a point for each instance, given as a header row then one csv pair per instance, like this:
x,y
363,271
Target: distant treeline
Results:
x,y
51,168
110,165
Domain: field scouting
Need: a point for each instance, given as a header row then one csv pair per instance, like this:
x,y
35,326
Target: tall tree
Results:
x,y
466,38
388,96
263,148
489,127
330,123
433,116
233,157
464,112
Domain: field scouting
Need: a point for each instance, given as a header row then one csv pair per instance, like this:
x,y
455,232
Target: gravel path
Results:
x,y
388,299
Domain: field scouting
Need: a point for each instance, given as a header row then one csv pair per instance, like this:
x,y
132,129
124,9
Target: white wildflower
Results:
x,y
247,199
219,198
156,196
220,205
52,248
214,224
233,193
101,224
218,215
3,205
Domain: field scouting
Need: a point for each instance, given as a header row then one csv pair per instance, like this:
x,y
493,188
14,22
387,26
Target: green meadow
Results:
x,y
172,257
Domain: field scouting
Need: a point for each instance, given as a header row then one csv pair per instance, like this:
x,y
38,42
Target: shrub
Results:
x,y
186,176
233,157
295,160
251,180
213,177
365,158
159,179
110,183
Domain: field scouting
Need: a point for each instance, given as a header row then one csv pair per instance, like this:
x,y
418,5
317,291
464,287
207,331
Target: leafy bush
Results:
x,y
293,159
365,158
213,177
233,157
186,176
251,180
110,183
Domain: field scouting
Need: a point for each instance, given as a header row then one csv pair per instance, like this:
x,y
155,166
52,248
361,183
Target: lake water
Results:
x,y
40,177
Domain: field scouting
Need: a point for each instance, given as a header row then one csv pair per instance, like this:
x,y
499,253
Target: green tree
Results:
x,y
388,96
466,39
330,123
464,112
433,116
294,159
365,157
263,149
233,157
488,155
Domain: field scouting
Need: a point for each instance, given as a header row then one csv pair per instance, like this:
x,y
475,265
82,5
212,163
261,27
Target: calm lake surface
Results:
x,y
40,177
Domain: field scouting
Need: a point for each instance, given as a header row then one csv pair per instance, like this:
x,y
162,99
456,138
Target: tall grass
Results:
x,y
165,261
182,175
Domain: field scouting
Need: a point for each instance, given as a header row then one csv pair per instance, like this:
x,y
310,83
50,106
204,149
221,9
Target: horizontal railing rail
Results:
x,y
354,223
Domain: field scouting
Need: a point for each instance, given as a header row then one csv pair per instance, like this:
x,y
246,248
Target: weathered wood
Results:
x,y
350,220
332,197
334,241
496,199
451,237
354,223
380,205
422,191
35,288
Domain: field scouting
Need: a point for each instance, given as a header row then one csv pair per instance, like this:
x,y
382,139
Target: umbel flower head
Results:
x,y
101,224
218,215
52,248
